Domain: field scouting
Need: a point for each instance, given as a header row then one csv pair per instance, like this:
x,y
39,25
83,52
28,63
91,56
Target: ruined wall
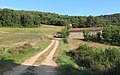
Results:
x,y
79,34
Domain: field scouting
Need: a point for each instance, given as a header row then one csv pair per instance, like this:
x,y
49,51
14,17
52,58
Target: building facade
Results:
x,y
78,32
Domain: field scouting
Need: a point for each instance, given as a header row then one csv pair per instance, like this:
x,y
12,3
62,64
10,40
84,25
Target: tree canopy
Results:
x,y
22,18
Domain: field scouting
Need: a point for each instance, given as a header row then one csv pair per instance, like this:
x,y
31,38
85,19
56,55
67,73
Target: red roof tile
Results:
x,y
81,29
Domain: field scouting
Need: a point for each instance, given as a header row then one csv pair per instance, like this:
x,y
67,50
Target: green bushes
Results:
x,y
87,36
4,61
19,50
112,35
109,35
66,65
10,55
98,61
64,33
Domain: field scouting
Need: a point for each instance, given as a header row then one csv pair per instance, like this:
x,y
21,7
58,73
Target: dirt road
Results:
x,y
47,67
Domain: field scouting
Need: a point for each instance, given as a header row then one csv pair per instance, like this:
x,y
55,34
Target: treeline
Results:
x,y
21,18
12,18
113,19
97,61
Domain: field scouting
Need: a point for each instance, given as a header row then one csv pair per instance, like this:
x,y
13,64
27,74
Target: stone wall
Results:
x,y
79,34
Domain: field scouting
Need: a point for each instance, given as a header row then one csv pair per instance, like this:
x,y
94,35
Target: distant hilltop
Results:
x,y
23,18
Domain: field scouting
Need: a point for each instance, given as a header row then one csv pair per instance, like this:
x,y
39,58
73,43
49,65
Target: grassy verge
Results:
x,y
36,48
66,64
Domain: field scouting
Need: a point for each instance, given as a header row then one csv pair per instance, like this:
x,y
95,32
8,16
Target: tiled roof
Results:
x,y
90,29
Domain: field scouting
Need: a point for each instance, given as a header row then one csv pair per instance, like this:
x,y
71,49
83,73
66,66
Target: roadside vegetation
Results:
x,y
96,60
87,60
77,57
66,65
15,55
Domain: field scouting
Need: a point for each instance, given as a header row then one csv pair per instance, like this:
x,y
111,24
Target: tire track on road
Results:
x,y
18,70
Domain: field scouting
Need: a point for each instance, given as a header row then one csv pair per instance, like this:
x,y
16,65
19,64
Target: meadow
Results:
x,y
18,44
12,36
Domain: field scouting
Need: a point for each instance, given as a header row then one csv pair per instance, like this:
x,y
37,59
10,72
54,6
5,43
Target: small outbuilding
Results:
x,y
78,32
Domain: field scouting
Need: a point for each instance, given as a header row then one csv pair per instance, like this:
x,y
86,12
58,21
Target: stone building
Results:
x,y
78,32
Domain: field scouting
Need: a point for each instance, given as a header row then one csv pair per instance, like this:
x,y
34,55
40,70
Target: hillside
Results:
x,y
22,18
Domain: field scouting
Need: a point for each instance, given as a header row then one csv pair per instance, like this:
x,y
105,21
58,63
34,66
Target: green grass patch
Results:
x,y
66,64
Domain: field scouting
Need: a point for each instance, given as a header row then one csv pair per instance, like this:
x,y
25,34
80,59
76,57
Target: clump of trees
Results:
x,y
21,18
87,36
110,34
97,61
64,33
12,18
95,38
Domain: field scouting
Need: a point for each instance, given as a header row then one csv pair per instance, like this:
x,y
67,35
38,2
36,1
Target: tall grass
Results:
x,y
19,54
18,44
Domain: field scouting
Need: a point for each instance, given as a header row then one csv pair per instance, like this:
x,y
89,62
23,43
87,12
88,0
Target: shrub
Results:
x,y
64,33
19,50
96,60
87,36
4,61
65,40
109,35
112,35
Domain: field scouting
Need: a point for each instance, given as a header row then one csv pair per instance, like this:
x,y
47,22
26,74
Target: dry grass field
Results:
x,y
74,43
14,36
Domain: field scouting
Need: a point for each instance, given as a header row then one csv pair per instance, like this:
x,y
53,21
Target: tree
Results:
x,y
21,18
90,21
112,35
87,36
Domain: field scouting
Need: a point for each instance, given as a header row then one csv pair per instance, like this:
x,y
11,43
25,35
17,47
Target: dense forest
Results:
x,y
21,18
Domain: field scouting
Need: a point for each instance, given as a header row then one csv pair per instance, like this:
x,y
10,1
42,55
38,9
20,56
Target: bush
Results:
x,y
109,35
64,33
87,36
20,50
65,40
96,60
112,35
4,61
